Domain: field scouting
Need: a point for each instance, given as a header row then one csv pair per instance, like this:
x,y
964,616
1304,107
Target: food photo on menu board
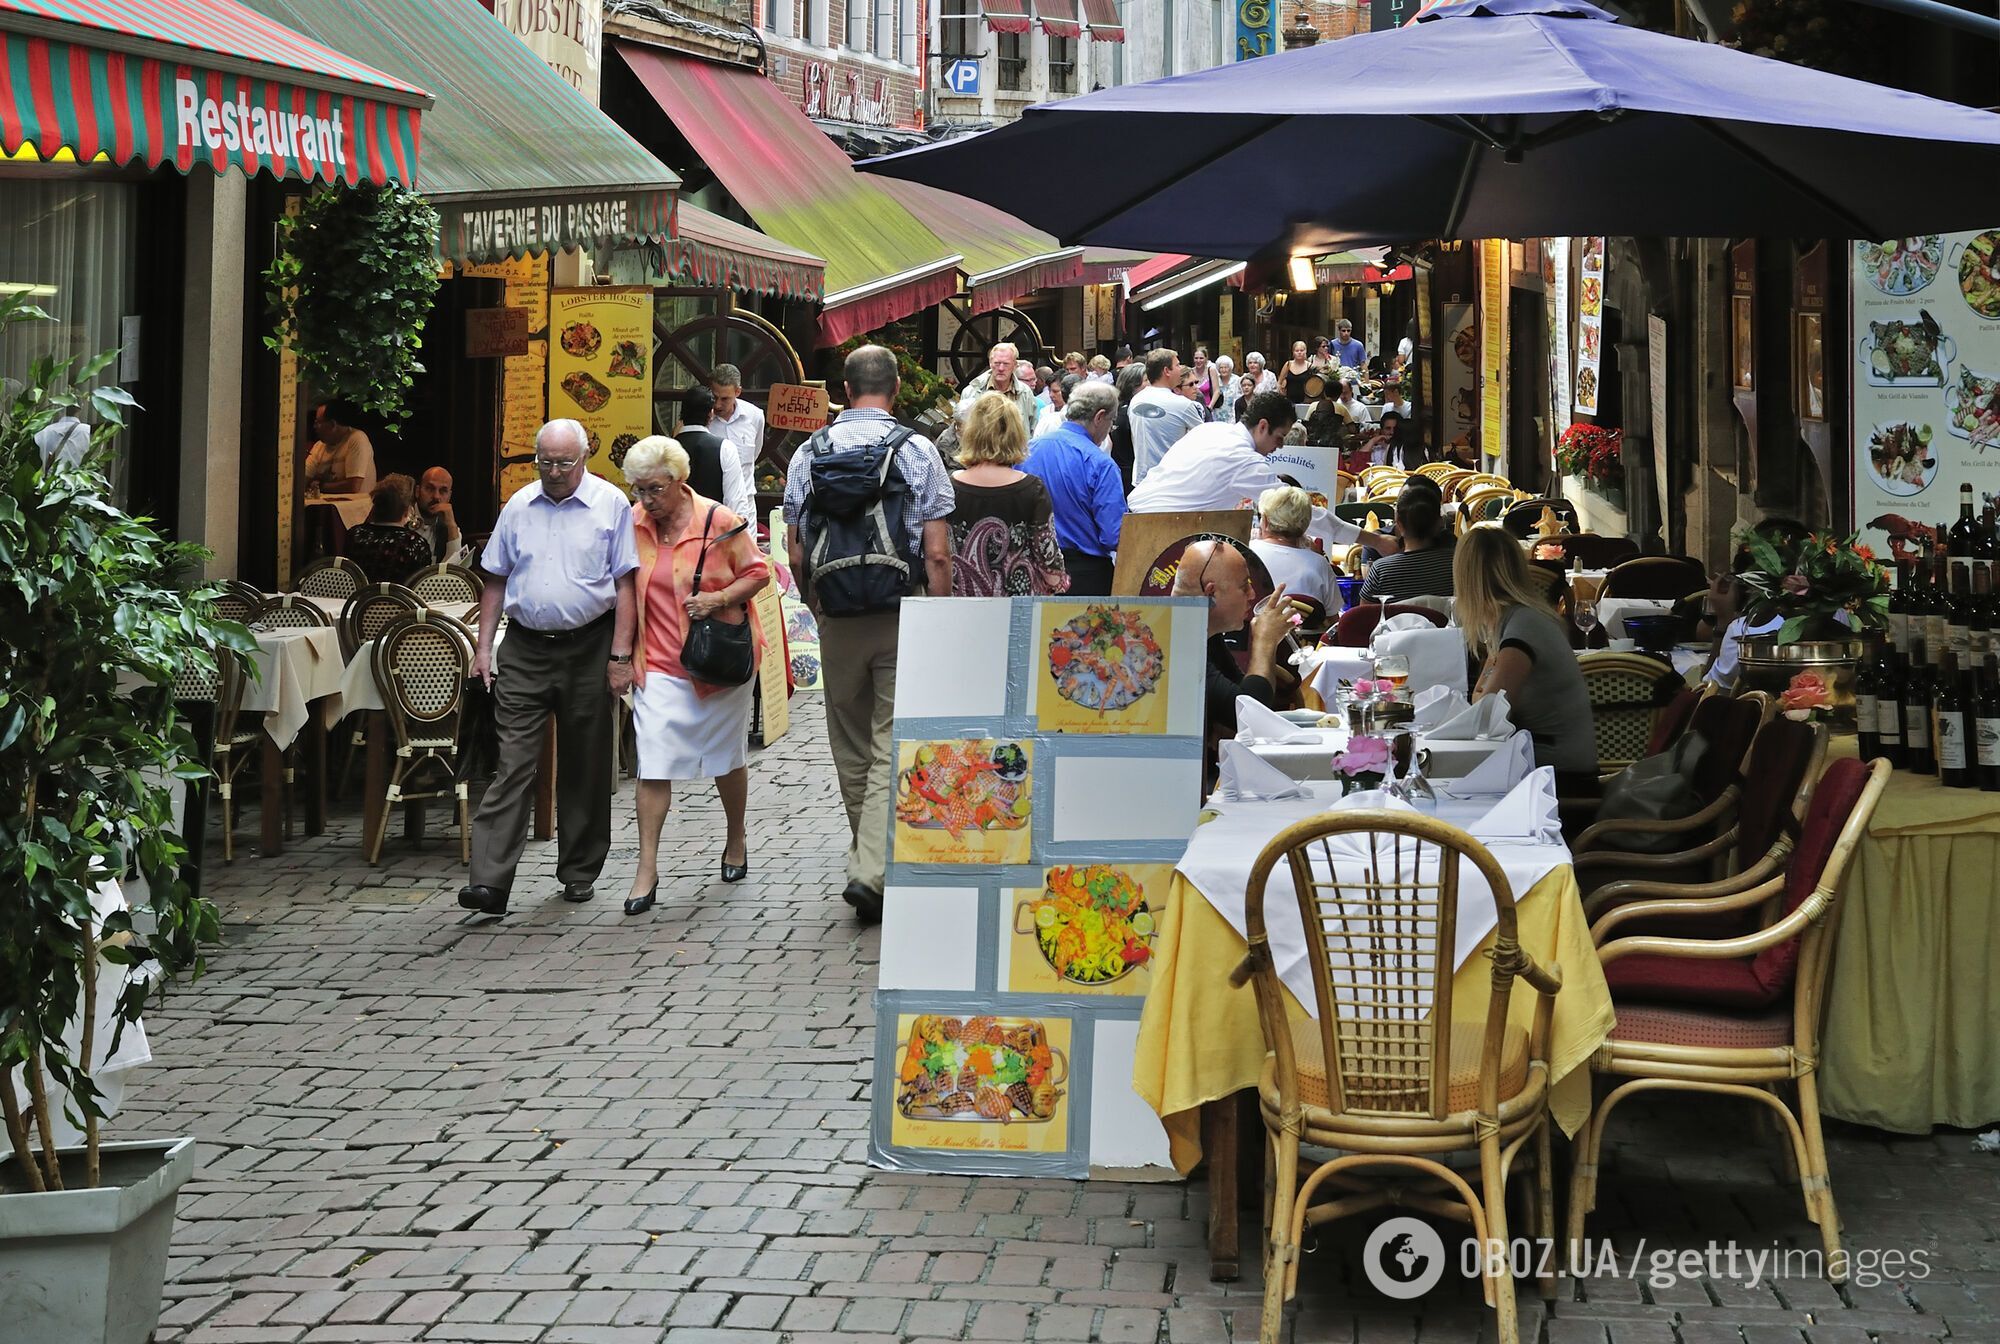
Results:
x,y
964,801
1088,929
1104,669
599,353
982,1084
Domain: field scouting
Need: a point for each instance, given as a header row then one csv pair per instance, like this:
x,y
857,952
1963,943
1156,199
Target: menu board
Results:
x,y
1048,774
524,378
1555,279
1589,326
1925,375
1494,265
600,368
768,608
1459,362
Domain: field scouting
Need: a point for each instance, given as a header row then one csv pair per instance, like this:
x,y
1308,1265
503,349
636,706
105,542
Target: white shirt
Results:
x,y
1304,572
355,456
1723,671
745,429
737,495
1050,422
1159,420
1214,466
1267,381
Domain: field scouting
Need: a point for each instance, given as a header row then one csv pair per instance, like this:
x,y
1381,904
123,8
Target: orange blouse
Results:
x,y
664,590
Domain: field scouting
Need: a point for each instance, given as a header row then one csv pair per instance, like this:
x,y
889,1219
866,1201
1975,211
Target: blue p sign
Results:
x,y
962,77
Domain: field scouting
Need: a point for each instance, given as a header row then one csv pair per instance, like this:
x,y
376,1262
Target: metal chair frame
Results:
x,y
234,746
333,576
427,727
289,611
445,583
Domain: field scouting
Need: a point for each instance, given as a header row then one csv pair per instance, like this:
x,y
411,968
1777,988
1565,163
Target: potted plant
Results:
x,y
1830,593
1593,454
92,629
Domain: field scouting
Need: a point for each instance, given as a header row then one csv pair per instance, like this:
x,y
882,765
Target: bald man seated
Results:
x,y
435,516
1217,571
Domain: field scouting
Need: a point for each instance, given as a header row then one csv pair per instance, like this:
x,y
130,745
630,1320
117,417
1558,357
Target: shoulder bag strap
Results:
x,y
701,560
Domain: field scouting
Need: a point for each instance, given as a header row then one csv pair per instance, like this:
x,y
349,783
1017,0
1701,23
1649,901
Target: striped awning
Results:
x,y
1007,16
1101,17
1059,17
204,83
1004,257
708,250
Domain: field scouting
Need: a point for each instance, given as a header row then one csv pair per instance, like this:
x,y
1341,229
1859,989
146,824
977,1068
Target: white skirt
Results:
x,y
682,735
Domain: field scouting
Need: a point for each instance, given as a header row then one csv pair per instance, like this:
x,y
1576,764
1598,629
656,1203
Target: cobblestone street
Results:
x,y
574,1128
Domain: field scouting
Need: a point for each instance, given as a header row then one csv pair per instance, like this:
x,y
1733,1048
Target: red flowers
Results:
x,y
1590,451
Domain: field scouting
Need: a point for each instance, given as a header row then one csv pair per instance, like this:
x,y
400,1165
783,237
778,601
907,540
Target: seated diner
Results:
x,y
1284,513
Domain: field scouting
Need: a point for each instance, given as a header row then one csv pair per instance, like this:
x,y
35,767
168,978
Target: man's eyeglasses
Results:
x,y
557,463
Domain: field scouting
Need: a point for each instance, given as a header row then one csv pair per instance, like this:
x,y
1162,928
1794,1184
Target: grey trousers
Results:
x,y
533,679
858,654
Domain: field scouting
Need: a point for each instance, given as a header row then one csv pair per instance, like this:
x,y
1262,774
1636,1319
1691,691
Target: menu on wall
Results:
x,y
524,378
600,369
1926,382
1460,364
1555,281
1589,326
1494,265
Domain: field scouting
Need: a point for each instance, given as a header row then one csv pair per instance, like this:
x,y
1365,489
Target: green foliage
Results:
x,y
92,628
352,284
922,390
1809,583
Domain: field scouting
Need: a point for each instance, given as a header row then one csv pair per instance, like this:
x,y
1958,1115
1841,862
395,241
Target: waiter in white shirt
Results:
x,y
737,420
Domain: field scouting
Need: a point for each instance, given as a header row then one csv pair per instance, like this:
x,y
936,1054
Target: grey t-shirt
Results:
x,y
1552,704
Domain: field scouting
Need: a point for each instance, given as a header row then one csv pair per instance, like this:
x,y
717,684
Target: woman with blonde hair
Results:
x,y
687,728
1503,607
1284,512
1003,537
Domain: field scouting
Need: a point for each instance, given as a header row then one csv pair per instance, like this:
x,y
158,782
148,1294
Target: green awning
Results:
x,y
1004,257
514,159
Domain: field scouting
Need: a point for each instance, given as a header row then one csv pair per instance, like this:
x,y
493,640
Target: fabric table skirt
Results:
x,y
683,736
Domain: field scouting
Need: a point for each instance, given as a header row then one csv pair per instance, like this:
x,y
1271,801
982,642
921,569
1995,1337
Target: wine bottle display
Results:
x,y
1917,713
1954,754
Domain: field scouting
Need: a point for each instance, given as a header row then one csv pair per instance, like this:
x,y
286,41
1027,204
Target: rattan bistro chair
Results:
x,y
289,611
421,664
1625,689
235,745
1380,1072
335,576
1736,1016
445,583
236,601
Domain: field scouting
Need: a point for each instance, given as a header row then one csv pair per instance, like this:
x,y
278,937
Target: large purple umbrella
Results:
x,y
1490,119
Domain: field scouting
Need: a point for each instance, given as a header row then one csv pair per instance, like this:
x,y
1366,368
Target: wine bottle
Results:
x,y
1889,708
1964,536
1984,615
1986,546
1937,624
1958,609
1986,726
1954,756
1917,755
1865,727
1899,609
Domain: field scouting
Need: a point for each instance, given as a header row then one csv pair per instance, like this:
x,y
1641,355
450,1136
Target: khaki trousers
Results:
x,y
533,679
858,658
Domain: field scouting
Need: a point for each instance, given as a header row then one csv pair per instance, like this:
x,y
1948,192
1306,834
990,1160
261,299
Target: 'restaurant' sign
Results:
x,y
836,93
483,230
792,407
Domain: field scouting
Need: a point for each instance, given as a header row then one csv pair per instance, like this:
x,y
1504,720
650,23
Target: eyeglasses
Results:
x,y
557,463
650,491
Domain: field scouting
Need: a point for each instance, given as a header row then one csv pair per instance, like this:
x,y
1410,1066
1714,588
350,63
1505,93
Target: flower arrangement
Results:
x,y
1363,764
1807,697
1824,586
1590,451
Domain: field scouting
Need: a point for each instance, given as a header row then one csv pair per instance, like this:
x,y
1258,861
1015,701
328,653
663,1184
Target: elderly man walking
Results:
x,y
866,503
565,549
1002,362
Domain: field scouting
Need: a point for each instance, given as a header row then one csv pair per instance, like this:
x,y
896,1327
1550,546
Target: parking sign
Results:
x,y
962,77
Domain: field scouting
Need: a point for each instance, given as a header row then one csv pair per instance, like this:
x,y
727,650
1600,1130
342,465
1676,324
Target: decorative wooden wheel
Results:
x,y
686,355
977,335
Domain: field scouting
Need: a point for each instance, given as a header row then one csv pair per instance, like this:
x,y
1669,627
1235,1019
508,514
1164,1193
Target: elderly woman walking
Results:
x,y
687,728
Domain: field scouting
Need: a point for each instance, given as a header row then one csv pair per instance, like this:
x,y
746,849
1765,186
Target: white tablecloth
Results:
x,y
1313,760
360,691
1437,658
295,667
353,509
1223,850
1612,611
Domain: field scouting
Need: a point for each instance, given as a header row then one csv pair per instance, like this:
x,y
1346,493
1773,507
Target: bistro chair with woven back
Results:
x,y
368,612
335,576
1626,690
445,584
237,601
289,611
1736,1016
421,662
1368,1070
217,694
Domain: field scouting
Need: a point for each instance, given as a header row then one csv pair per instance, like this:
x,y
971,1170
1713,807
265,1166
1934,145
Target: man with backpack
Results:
x,y
866,501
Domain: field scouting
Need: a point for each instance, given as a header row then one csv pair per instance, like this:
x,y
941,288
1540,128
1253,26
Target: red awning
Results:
x,y
1148,271
1058,17
707,249
1008,16
881,262
198,82
1004,258
1101,17
1108,265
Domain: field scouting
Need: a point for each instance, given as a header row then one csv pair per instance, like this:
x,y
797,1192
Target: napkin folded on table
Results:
x,y
1485,719
1527,813
1260,724
1244,776
1507,766
1436,705
1406,620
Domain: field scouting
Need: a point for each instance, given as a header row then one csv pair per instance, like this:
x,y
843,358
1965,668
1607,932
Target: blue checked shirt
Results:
x,y
918,461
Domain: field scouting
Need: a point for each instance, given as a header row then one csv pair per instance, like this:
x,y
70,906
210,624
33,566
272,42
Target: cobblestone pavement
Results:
x,y
577,1129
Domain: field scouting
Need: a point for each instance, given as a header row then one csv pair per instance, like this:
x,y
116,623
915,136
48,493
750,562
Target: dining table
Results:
x,y
293,667
1201,1045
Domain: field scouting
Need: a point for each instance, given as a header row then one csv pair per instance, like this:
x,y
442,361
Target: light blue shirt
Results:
x,y
1351,353
562,560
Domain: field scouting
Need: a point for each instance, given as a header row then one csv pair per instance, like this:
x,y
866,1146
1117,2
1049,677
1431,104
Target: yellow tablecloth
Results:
x,y
1913,1021
1199,1039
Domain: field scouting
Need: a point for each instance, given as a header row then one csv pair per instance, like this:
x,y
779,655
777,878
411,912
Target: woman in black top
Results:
x,y
1130,379
1294,375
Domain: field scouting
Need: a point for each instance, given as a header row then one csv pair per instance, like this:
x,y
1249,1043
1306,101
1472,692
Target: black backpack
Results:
x,y
855,526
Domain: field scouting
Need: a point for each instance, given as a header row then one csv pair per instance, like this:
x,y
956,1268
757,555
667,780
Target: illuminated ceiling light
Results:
x,y
1302,274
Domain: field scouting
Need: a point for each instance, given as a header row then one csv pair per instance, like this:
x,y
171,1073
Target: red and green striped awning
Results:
x,y
1004,257
198,82
708,250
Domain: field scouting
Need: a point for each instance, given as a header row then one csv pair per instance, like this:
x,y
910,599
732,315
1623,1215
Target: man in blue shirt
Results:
x,y
1350,352
1083,486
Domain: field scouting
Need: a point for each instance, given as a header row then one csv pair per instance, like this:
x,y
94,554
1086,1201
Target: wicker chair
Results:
x,y
1343,483
289,611
1370,1074
1482,504
237,601
1737,1016
1524,516
421,663
1624,694
371,610
1437,471
436,584
1664,577
235,745
335,576
1380,482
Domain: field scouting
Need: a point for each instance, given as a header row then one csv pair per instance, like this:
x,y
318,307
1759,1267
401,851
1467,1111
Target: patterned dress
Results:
x,y
1003,541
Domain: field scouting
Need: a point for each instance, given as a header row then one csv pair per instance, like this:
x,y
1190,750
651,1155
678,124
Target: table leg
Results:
x,y
545,785
314,765
271,797
413,823
376,780
1219,1140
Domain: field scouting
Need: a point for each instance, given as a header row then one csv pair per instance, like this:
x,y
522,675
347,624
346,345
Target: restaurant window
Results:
x,y
858,14
957,20
1013,48
1062,65
68,246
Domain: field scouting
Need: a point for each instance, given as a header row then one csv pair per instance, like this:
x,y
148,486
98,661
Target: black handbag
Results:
x,y
715,651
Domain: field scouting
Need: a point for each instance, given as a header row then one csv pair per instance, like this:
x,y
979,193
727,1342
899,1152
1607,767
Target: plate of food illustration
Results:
x,y
589,394
1979,274
1907,354
984,1069
1091,923
582,340
628,360
1900,456
1974,403
1107,659
620,446
973,785
1900,266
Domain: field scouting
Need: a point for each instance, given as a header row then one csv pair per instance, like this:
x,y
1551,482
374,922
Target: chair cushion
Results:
x,y
1778,759
1655,978
1666,1024
1468,1041
1833,801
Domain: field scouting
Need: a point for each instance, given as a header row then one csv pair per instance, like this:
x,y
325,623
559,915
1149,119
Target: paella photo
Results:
x,y
1091,924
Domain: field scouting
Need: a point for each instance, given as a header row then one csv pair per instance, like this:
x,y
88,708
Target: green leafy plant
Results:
x,y
92,628
1823,586
922,390
352,283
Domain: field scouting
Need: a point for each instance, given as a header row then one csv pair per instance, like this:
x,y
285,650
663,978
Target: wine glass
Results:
x,y
1586,619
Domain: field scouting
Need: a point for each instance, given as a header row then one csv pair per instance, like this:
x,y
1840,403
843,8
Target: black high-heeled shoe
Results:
x,y
736,872
639,905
